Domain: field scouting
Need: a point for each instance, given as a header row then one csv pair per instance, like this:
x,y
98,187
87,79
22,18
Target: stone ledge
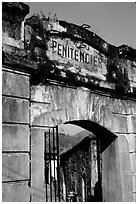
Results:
x,y
17,58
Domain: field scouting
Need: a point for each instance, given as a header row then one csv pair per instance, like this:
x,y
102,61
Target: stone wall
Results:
x,y
15,107
15,136
74,55
53,105
36,95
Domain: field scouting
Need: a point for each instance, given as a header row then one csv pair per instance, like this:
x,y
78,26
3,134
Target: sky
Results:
x,y
115,22
70,129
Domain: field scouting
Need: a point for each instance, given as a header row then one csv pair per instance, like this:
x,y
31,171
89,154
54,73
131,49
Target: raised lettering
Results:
x,y
59,49
71,52
54,44
64,51
82,57
76,55
92,60
68,53
96,61
87,58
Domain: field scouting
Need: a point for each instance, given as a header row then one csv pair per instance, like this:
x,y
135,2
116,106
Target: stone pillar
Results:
x,y
15,108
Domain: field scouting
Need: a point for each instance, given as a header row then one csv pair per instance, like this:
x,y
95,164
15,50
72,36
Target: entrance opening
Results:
x,y
73,161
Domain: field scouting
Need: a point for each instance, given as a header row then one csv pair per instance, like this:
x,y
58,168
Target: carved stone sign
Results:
x,y
77,57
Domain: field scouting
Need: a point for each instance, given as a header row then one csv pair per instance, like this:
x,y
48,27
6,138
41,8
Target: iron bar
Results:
x,y
54,158
51,156
45,135
50,167
99,169
58,168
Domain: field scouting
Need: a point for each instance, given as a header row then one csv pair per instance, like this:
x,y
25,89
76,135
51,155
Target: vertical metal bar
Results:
x,y
99,169
45,158
58,167
54,158
50,167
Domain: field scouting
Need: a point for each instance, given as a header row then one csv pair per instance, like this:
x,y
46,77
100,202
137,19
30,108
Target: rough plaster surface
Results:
x,y
53,105
61,104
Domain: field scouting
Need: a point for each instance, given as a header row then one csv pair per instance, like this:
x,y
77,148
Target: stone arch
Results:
x,y
104,135
57,105
106,139
115,157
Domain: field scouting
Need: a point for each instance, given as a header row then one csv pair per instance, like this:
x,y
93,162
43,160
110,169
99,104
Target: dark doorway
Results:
x,y
63,156
101,139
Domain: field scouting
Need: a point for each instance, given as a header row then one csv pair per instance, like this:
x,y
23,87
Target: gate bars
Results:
x,y
52,168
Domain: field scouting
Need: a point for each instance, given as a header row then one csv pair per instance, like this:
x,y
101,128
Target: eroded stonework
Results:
x,y
56,72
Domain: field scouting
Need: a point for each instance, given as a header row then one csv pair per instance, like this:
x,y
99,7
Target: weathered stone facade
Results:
x,y
40,91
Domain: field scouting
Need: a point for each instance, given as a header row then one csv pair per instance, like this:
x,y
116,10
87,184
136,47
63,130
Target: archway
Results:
x,y
103,138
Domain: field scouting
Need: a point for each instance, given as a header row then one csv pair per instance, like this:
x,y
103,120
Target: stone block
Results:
x,y
131,138
15,166
131,106
134,197
133,162
123,144
15,192
134,182
119,124
52,118
111,177
133,124
107,118
125,161
37,165
15,84
119,106
15,110
40,93
126,180
125,168
15,137
38,110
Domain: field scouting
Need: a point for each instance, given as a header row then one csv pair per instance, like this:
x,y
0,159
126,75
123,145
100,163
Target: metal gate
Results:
x,y
52,168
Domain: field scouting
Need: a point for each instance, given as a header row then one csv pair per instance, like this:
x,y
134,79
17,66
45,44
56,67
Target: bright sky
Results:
x,y
115,22
70,129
